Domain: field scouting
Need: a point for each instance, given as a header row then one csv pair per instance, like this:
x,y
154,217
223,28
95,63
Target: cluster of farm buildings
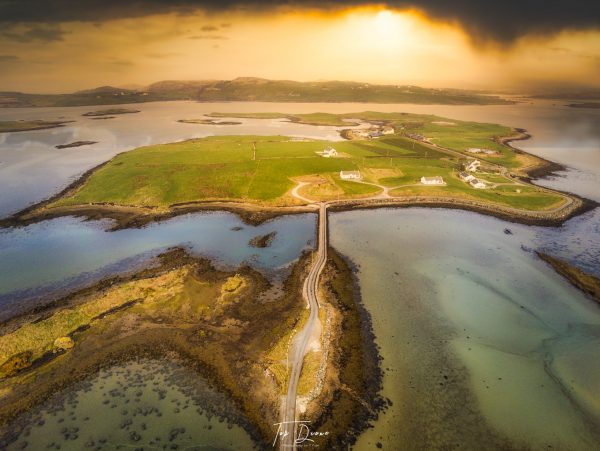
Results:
x,y
465,175
371,133
483,151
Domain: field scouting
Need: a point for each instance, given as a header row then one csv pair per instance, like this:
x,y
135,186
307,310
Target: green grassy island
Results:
x,y
281,171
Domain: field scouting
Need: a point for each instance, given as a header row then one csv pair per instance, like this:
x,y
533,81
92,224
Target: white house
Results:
x,y
473,166
417,137
478,184
437,180
388,130
465,176
350,175
361,133
485,151
329,152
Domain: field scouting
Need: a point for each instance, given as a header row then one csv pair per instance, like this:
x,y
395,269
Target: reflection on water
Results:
x,y
139,405
68,252
482,342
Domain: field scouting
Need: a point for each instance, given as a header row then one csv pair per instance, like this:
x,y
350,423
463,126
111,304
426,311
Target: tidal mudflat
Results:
x,y
481,341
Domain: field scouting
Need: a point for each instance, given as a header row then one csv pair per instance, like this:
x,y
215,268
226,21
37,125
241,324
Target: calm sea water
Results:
x,y
48,257
483,344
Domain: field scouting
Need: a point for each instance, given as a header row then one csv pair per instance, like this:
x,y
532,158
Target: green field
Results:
x,y
448,133
224,169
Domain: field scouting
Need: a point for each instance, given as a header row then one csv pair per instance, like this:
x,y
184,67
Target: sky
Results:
x,y
524,46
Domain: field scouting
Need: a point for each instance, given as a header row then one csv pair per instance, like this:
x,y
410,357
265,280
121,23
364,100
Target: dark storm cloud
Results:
x,y
489,19
44,33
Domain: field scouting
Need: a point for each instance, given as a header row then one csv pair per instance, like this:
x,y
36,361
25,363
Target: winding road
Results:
x,y
301,340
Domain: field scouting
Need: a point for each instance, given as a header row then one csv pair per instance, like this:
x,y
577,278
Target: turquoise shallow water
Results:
x,y
483,343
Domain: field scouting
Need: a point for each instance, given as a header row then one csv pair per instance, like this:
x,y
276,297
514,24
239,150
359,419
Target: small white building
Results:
x,y
484,151
350,175
465,176
388,130
417,137
478,184
361,133
329,152
473,166
437,180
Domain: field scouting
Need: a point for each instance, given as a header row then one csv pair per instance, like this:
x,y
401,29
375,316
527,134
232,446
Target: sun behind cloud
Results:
x,y
371,44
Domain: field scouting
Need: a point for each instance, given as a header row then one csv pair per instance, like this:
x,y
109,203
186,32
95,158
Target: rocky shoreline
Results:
x,y
540,218
544,167
587,283
350,400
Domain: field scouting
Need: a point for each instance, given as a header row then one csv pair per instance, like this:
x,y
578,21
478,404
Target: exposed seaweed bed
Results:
x,y
263,241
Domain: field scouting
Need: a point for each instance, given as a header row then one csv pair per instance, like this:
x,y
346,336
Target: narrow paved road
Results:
x,y
309,292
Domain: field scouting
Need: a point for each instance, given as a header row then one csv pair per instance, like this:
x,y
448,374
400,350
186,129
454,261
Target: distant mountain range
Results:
x,y
248,89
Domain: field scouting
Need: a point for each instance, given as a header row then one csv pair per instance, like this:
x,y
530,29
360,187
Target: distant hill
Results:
x,y
246,89
257,89
589,94
105,90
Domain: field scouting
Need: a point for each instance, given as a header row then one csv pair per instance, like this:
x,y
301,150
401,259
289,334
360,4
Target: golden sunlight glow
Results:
x,y
362,44
384,20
